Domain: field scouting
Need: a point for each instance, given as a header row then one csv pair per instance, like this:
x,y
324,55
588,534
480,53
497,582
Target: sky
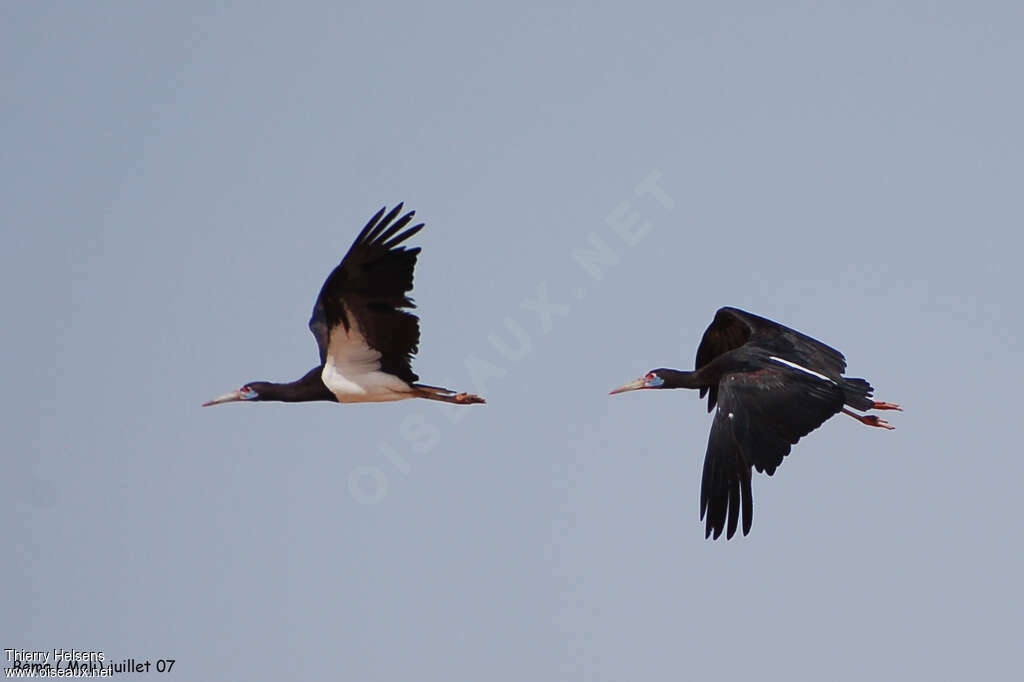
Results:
x,y
177,179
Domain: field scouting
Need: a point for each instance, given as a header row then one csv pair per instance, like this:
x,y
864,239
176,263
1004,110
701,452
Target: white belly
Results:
x,y
352,370
366,387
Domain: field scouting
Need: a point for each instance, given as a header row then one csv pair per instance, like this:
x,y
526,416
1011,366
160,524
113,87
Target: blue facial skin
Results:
x,y
248,394
654,381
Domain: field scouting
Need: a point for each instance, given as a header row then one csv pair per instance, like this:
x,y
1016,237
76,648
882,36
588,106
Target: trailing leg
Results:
x,y
869,420
446,395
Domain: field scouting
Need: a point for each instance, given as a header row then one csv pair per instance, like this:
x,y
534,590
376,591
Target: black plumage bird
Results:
x,y
365,334
772,385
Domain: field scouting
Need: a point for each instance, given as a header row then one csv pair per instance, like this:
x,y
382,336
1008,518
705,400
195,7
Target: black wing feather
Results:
x,y
760,416
725,333
372,281
725,481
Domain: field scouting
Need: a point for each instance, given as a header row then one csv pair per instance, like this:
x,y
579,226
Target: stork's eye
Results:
x,y
649,377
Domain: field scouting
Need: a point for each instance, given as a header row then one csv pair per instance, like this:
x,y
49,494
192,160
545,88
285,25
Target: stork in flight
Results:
x,y
365,334
772,386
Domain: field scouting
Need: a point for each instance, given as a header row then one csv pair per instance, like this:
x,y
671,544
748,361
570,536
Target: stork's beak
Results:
x,y
631,386
226,398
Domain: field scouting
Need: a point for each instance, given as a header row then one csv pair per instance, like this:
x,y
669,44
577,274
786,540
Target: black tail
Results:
x,y
857,394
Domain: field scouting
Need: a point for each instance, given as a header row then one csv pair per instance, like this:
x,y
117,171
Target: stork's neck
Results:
x,y
307,389
675,378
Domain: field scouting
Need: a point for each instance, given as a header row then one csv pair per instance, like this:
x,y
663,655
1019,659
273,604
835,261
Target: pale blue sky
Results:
x,y
177,179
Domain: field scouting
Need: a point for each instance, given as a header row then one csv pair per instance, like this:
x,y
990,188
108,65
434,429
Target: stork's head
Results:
x,y
652,379
250,391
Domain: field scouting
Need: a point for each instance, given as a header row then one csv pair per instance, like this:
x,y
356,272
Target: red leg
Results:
x,y
446,396
887,406
869,420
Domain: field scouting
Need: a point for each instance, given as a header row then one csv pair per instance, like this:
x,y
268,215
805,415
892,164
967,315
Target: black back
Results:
x,y
733,328
372,281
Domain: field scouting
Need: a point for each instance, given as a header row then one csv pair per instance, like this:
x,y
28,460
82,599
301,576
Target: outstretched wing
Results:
x,y
370,285
760,416
725,481
733,328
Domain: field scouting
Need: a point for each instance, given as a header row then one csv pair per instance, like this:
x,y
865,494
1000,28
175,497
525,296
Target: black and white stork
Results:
x,y
366,338
772,386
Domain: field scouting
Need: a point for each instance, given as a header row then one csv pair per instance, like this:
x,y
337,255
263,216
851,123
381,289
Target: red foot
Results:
x,y
887,406
468,399
869,419
872,420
